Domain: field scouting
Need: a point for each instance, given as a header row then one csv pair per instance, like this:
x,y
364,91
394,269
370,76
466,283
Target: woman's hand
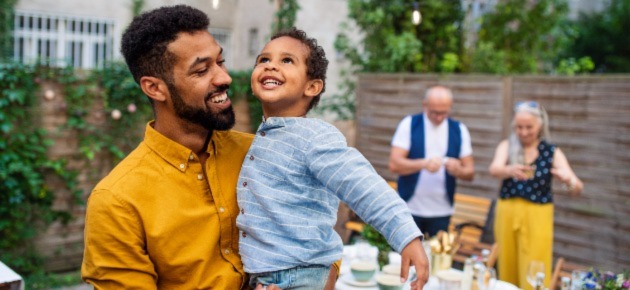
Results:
x,y
518,172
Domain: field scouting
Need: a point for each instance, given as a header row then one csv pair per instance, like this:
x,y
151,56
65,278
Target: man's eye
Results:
x,y
202,71
221,62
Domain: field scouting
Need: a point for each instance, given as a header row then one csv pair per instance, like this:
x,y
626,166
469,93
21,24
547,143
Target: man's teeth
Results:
x,y
219,99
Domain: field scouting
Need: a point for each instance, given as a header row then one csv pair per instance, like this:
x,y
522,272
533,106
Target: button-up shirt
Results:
x,y
157,221
293,177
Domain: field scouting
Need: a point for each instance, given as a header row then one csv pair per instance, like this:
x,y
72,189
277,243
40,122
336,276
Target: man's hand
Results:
x,y
433,164
413,254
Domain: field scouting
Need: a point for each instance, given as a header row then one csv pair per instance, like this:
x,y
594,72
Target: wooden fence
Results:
x,y
589,120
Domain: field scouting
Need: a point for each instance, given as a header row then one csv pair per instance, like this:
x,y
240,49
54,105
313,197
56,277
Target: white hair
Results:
x,y
516,154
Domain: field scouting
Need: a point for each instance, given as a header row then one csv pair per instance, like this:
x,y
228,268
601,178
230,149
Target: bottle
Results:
x,y
478,267
540,281
485,254
565,283
467,276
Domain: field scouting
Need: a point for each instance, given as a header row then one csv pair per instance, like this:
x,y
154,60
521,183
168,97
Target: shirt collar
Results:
x,y
175,154
273,122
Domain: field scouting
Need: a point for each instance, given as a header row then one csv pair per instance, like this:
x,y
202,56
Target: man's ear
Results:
x,y
154,88
314,87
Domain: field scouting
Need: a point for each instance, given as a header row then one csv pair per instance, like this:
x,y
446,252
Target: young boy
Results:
x,y
296,172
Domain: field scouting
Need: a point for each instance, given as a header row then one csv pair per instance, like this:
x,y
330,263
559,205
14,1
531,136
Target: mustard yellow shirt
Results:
x,y
158,222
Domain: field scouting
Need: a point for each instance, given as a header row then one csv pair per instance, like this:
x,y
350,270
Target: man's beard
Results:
x,y
223,120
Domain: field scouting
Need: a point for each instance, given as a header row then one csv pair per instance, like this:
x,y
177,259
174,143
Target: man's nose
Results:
x,y
221,78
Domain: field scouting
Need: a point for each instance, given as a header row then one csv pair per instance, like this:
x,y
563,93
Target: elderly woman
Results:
x,y
526,162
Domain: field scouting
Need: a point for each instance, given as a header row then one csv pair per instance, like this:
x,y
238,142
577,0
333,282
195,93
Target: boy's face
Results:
x,y
279,78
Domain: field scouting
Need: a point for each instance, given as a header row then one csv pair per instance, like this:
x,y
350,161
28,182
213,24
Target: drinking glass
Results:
x,y
534,267
487,278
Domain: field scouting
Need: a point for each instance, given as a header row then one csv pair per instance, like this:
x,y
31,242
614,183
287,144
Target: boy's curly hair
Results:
x,y
145,41
316,62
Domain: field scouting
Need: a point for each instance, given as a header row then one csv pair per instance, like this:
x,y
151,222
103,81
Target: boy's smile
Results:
x,y
279,78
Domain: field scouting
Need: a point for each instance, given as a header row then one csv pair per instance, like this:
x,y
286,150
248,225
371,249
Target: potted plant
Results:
x,y
374,238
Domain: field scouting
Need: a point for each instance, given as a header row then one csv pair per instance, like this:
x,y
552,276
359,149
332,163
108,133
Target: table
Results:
x,y
9,278
346,281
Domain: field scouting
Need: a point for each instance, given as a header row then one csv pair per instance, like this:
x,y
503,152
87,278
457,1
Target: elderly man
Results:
x,y
430,151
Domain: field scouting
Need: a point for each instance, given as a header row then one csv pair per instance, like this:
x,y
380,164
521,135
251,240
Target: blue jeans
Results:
x,y
312,277
432,225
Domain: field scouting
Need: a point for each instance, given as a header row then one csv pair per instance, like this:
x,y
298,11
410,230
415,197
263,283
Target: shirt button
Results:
x,y
244,183
263,133
191,157
227,251
251,157
242,210
221,209
200,176
244,235
182,166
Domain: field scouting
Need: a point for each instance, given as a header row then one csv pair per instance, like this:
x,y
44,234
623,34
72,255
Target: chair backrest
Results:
x,y
563,269
468,249
470,216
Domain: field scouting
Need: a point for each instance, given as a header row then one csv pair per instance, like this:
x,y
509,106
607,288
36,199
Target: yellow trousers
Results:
x,y
524,232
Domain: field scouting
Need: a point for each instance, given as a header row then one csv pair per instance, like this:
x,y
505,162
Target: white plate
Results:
x,y
348,279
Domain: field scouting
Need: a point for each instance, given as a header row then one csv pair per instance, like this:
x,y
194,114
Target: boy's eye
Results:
x,y
287,60
263,60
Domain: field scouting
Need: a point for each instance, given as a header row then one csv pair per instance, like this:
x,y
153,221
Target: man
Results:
x,y
429,152
165,217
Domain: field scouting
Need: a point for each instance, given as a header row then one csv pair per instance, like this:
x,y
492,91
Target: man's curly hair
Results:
x,y
316,62
145,41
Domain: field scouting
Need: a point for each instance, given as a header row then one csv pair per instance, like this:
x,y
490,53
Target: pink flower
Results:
x,y
131,108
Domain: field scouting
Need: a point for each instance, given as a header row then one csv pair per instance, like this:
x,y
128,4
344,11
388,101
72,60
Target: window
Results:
x,y
62,40
223,37
254,44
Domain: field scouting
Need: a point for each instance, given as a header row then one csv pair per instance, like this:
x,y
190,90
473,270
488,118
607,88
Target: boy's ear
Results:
x,y
314,87
154,88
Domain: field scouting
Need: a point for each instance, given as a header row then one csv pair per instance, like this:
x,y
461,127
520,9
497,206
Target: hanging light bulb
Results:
x,y
416,17
215,4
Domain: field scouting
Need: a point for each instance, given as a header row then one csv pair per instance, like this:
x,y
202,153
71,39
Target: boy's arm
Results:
x,y
346,173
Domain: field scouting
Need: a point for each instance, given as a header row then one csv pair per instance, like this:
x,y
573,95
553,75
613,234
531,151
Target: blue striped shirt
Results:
x,y
292,179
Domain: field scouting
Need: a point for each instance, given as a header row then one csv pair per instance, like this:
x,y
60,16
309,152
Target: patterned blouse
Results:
x,y
538,188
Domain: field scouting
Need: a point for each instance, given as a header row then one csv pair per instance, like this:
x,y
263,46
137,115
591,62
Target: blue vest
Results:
x,y
407,183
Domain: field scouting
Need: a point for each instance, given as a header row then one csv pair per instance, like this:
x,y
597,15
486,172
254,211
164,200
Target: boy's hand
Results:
x,y
413,254
270,287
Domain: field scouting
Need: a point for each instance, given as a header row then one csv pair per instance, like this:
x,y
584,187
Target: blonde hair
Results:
x,y
516,154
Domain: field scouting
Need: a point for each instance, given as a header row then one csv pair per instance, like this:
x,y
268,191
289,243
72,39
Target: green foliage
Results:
x,y
44,281
528,35
604,37
374,238
241,89
26,199
391,43
6,25
570,66
286,15
136,7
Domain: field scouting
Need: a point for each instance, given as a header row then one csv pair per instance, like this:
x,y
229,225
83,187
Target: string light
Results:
x,y
215,4
416,17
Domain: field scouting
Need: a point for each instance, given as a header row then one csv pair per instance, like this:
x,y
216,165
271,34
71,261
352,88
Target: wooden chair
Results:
x,y
468,249
563,269
470,216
